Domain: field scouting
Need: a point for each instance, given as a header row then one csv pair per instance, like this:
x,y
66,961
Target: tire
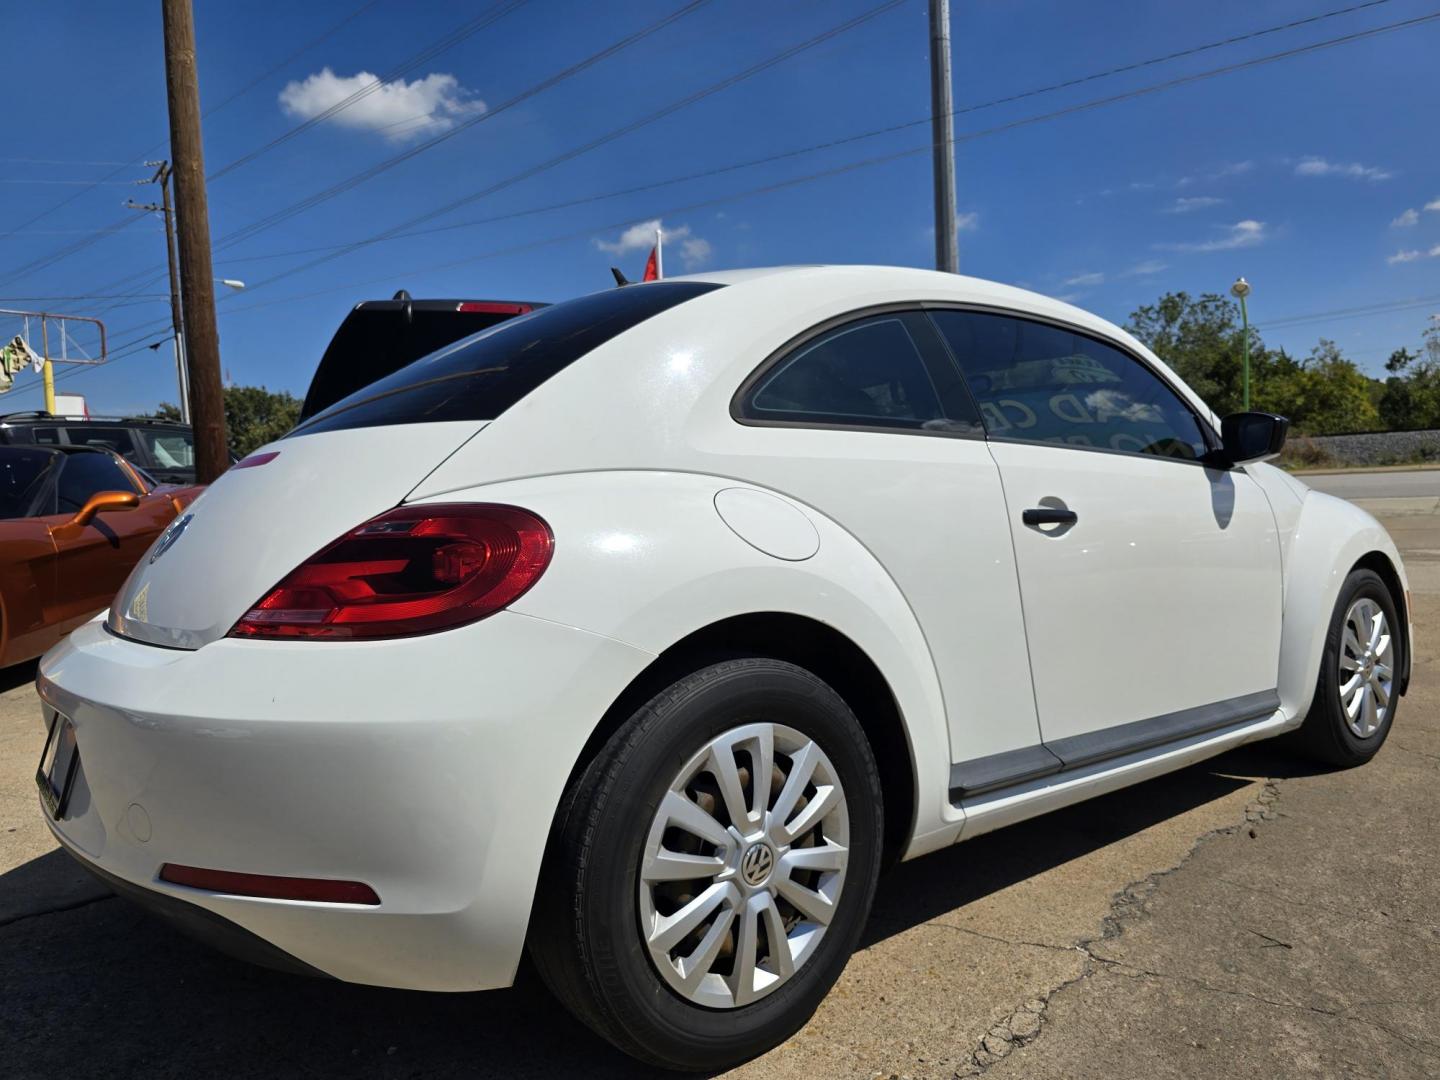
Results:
x,y
1327,734
593,911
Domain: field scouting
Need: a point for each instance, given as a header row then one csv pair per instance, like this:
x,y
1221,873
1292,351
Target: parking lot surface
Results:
x,y
1253,915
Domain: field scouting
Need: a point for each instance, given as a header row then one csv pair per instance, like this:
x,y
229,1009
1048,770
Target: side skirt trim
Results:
x,y
995,771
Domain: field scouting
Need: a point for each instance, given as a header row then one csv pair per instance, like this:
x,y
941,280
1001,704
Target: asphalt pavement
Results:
x,y
1365,485
1250,916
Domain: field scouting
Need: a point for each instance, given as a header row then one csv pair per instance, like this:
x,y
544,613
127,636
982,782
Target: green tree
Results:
x,y
254,416
1202,340
1333,395
1411,399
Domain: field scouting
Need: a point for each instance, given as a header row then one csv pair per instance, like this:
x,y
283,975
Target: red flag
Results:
x,y
652,265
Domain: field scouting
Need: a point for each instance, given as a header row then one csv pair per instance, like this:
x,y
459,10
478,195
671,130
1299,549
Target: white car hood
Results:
x,y
254,525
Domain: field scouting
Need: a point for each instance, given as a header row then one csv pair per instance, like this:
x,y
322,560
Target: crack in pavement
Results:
x,y
55,910
1344,913
1010,941
1024,1025
1412,750
1117,967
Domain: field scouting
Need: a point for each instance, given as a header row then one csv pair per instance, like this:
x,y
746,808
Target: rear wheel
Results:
x,y
714,866
1356,697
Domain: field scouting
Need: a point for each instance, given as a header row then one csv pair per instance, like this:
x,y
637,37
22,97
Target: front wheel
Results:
x,y
1358,689
713,868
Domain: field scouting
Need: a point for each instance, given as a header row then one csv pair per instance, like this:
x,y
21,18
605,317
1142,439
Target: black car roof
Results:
x,y
109,421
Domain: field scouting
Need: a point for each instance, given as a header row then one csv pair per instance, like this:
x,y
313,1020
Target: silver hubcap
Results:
x,y
1366,667
743,865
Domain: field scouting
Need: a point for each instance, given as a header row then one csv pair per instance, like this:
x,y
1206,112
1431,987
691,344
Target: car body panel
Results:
x,y
1127,610
1332,536
418,779
642,558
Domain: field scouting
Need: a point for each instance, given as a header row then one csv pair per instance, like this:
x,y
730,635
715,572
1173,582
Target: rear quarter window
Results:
x,y
481,377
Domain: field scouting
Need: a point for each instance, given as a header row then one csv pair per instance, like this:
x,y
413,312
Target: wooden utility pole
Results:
x,y
192,221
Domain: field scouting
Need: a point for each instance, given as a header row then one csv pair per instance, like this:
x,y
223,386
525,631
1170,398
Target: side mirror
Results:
x,y
102,502
1252,436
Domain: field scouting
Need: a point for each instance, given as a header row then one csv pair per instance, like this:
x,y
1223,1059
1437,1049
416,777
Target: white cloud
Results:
x,y
1318,166
1188,205
1242,234
1404,256
695,251
1146,268
1405,220
397,110
1433,204
969,222
640,236
1234,168
1082,280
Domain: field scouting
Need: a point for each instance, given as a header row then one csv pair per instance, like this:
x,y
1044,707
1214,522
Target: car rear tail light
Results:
x,y
412,570
324,890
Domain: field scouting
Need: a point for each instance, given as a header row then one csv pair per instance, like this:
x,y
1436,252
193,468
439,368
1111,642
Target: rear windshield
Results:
x,y
374,342
481,377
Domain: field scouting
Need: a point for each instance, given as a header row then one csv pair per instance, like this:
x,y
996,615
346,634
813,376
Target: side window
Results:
x,y
1044,383
85,474
108,438
868,373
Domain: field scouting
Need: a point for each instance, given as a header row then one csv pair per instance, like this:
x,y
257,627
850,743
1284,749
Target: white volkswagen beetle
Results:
x,y
641,630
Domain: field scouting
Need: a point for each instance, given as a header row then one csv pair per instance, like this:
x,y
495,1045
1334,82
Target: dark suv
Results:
x,y
379,337
163,448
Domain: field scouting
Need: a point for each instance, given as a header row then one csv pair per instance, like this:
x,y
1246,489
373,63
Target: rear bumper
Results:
x,y
196,922
428,768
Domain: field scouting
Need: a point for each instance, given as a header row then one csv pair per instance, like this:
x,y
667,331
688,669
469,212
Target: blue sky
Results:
x,y
1310,175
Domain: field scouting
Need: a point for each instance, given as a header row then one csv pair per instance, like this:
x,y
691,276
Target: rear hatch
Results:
x,y
357,459
258,522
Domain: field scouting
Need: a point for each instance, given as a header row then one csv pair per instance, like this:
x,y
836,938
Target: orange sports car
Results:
x,y
73,521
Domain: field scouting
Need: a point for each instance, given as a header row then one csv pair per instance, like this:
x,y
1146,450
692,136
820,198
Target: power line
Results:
x,y
426,54
403,230
814,147
315,199
100,234
340,249
311,201
878,159
611,136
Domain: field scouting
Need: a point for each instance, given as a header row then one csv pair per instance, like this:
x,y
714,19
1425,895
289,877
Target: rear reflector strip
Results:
x,y
322,890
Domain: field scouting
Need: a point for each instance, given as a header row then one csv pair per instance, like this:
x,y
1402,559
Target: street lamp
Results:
x,y
231,283
1240,290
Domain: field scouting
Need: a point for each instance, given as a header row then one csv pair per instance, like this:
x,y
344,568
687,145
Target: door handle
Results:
x,y
1048,515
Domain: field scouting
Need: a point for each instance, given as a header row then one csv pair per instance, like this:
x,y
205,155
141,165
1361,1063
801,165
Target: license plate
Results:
x,y
59,762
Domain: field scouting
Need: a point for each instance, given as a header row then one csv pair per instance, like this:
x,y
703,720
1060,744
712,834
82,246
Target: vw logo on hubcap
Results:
x,y
755,867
